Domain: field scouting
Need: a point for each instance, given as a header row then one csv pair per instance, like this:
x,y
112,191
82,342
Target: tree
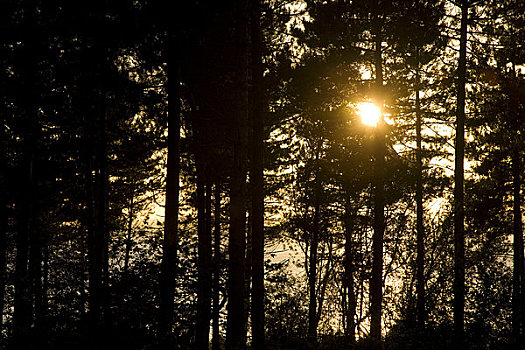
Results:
x,y
257,114
459,210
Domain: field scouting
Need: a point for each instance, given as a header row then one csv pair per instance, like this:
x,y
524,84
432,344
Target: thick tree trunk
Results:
x,y
459,211
257,182
420,234
376,282
204,280
216,267
236,328
169,257
236,321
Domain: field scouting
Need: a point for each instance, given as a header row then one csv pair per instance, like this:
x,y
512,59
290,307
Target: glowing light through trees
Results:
x,y
369,113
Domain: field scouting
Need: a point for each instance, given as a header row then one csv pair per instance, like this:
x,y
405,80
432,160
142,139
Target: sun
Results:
x,y
369,113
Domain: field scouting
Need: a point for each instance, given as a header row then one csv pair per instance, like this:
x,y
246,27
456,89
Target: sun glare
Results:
x,y
369,113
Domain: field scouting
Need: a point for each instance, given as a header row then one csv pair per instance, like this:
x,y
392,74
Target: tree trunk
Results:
x,y
257,181
22,316
376,283
420,234
236,334
98,239
202,328
312,260
23,308
459,211
35,267
236,322
169,257
3,223
216,268
130,228
348,281
518,270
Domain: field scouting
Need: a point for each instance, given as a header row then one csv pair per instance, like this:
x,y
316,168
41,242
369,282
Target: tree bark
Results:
x,y
459,210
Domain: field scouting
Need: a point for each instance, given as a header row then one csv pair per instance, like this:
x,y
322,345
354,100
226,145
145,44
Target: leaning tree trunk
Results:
x,y
459,210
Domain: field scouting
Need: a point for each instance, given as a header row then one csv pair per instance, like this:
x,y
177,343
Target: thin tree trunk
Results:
x,y
3,224
98,241
169,257
35,267
348,281
518,271
23,308
459,211
420,235
323,283
216,267
312,260
130,228
202,328
22,301
376,283
257,181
